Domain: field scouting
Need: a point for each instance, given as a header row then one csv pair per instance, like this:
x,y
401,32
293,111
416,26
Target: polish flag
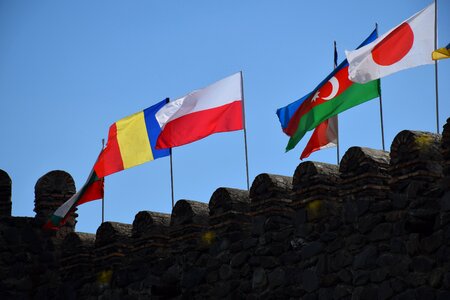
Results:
x,y
215,108
407,45
324,136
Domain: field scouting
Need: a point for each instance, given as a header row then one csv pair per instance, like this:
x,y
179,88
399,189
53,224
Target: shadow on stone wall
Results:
x,y
375,227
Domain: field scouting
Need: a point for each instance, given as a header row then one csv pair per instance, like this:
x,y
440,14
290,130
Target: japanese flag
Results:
x,y
407,45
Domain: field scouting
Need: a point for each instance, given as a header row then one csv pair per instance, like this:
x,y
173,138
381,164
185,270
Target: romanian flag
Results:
x,y
131,142
441,53
91,190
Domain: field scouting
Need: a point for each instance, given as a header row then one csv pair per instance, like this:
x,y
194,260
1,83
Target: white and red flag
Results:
x,y
324,136
405,46
215,108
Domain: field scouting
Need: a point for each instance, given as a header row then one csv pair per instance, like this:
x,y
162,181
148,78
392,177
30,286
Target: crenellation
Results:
x,y
51,191
416,155
315,190
150,223
5,194
188,221
150,235
375,227
314,181
364,174
112,244
229,211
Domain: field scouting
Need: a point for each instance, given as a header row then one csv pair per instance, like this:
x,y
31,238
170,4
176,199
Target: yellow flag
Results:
x,y
441,53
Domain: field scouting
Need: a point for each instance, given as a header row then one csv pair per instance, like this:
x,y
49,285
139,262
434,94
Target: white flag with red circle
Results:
x,y
405,46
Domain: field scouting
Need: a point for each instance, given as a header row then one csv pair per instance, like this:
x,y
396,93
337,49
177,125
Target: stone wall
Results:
x,y
375,227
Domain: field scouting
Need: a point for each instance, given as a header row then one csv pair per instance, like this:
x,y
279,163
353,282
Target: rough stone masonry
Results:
x,y
375,227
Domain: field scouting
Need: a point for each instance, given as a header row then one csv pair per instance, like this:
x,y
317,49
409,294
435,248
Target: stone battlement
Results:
x,y
375,227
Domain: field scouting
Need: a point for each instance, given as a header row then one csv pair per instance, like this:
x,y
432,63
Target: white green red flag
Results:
x,y
91,190
405,46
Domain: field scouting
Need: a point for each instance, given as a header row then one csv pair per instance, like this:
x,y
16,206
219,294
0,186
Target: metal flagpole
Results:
x,y
171,170
103,182
381,104
436,65
245,131
337,123
171,177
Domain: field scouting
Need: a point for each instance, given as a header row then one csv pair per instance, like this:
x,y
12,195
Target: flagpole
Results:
x,y
171,170
381,114
171,177
103,183
337,122
381,105
245,131
436,65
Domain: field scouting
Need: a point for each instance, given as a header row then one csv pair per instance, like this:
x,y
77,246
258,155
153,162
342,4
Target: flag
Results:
x,y
324,136
215,108
91,190
441,53
131,142
335,94
407,45
326,133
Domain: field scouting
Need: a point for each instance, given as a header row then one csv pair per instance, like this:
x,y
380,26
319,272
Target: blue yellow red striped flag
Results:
x,y
131,142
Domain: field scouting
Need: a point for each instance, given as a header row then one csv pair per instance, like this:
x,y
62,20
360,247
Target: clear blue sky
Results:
x,y
69,69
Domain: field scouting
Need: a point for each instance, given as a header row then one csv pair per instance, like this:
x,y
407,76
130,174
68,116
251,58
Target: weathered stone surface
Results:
x,y
189,212
310,280
52,190
149,222
266,186
376,228
259,280
225,200
360,160
110,232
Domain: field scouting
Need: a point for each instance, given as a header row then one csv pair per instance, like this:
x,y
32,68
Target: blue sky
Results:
x,y
69,69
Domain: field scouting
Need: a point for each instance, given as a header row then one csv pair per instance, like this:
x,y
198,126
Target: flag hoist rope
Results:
x,y
245,131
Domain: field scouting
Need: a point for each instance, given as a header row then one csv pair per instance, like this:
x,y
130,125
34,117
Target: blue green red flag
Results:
x,y
335,94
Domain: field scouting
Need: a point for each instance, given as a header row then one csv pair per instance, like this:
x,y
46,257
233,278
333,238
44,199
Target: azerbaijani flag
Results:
x,y
335,94
131,142
91,190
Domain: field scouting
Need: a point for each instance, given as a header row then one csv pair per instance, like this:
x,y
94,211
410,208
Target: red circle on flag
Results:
x,y
394,46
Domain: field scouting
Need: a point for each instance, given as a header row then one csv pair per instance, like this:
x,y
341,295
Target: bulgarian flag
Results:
x,y
335,94
91,190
